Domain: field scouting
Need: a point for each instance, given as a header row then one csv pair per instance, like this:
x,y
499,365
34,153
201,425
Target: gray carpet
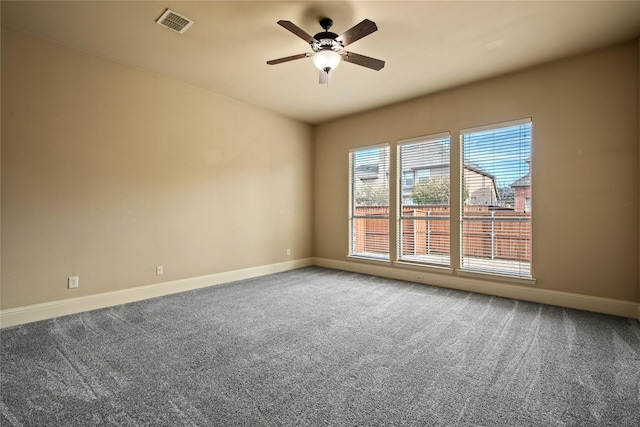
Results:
x,y
322,347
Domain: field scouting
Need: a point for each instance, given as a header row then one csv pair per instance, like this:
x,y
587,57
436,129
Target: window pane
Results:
x,y
424,206
408,180
423,175
496,193
369,204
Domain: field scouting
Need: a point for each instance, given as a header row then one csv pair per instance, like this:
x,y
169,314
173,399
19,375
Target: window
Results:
x,y
408,180
423,175
369,202
496,198
424,230
493,195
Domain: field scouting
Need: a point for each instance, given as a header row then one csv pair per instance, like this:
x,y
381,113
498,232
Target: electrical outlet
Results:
x,y
419,278
288,252
74,282
159,269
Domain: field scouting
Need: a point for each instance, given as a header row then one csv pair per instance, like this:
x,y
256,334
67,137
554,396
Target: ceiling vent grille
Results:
x,y
174,21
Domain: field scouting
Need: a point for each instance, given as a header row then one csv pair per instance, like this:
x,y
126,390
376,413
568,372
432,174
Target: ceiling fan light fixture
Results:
x,y
326,59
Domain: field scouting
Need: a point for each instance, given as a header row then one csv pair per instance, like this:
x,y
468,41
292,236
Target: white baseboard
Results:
x,y
525,293
32,313
48,310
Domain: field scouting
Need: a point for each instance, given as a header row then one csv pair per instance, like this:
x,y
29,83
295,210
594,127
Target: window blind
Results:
x,y
496,195
424,227
369,202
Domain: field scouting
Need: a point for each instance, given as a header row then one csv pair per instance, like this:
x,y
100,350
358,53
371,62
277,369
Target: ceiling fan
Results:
x,y
328,47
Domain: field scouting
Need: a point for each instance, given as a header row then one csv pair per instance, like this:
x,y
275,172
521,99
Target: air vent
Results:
x,y
174,21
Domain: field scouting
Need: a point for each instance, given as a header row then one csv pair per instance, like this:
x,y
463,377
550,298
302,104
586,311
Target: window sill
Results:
x,y
372,260
496,276
437,269
426,267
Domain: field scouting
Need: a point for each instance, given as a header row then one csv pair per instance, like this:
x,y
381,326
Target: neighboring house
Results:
x,y
522,188
431,161
420,163
371,173
423,162
479,186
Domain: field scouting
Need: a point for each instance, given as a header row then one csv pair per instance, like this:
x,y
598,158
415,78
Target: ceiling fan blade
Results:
x,y
325,77
365,61
297,31
288,58
357,32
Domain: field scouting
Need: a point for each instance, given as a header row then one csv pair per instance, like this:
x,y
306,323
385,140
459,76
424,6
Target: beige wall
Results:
x,y
108,171
585,164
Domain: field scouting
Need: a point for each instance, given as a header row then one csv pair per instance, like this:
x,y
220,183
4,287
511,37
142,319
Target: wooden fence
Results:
x,y
497,234
371,233
425,230
490,234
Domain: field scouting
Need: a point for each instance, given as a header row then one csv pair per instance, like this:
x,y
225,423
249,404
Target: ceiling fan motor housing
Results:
x,y
326,40
325,43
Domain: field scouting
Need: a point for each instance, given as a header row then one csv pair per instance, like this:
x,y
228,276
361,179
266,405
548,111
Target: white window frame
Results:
x,y
352,253
427,259
524,275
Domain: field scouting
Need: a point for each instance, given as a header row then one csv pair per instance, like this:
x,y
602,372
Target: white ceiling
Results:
x,y
428,46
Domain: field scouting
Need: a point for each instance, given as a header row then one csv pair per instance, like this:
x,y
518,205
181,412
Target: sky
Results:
x,y
501,152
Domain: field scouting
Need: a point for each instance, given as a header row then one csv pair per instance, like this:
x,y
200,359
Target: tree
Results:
x,y
507,196
370,194
433,191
